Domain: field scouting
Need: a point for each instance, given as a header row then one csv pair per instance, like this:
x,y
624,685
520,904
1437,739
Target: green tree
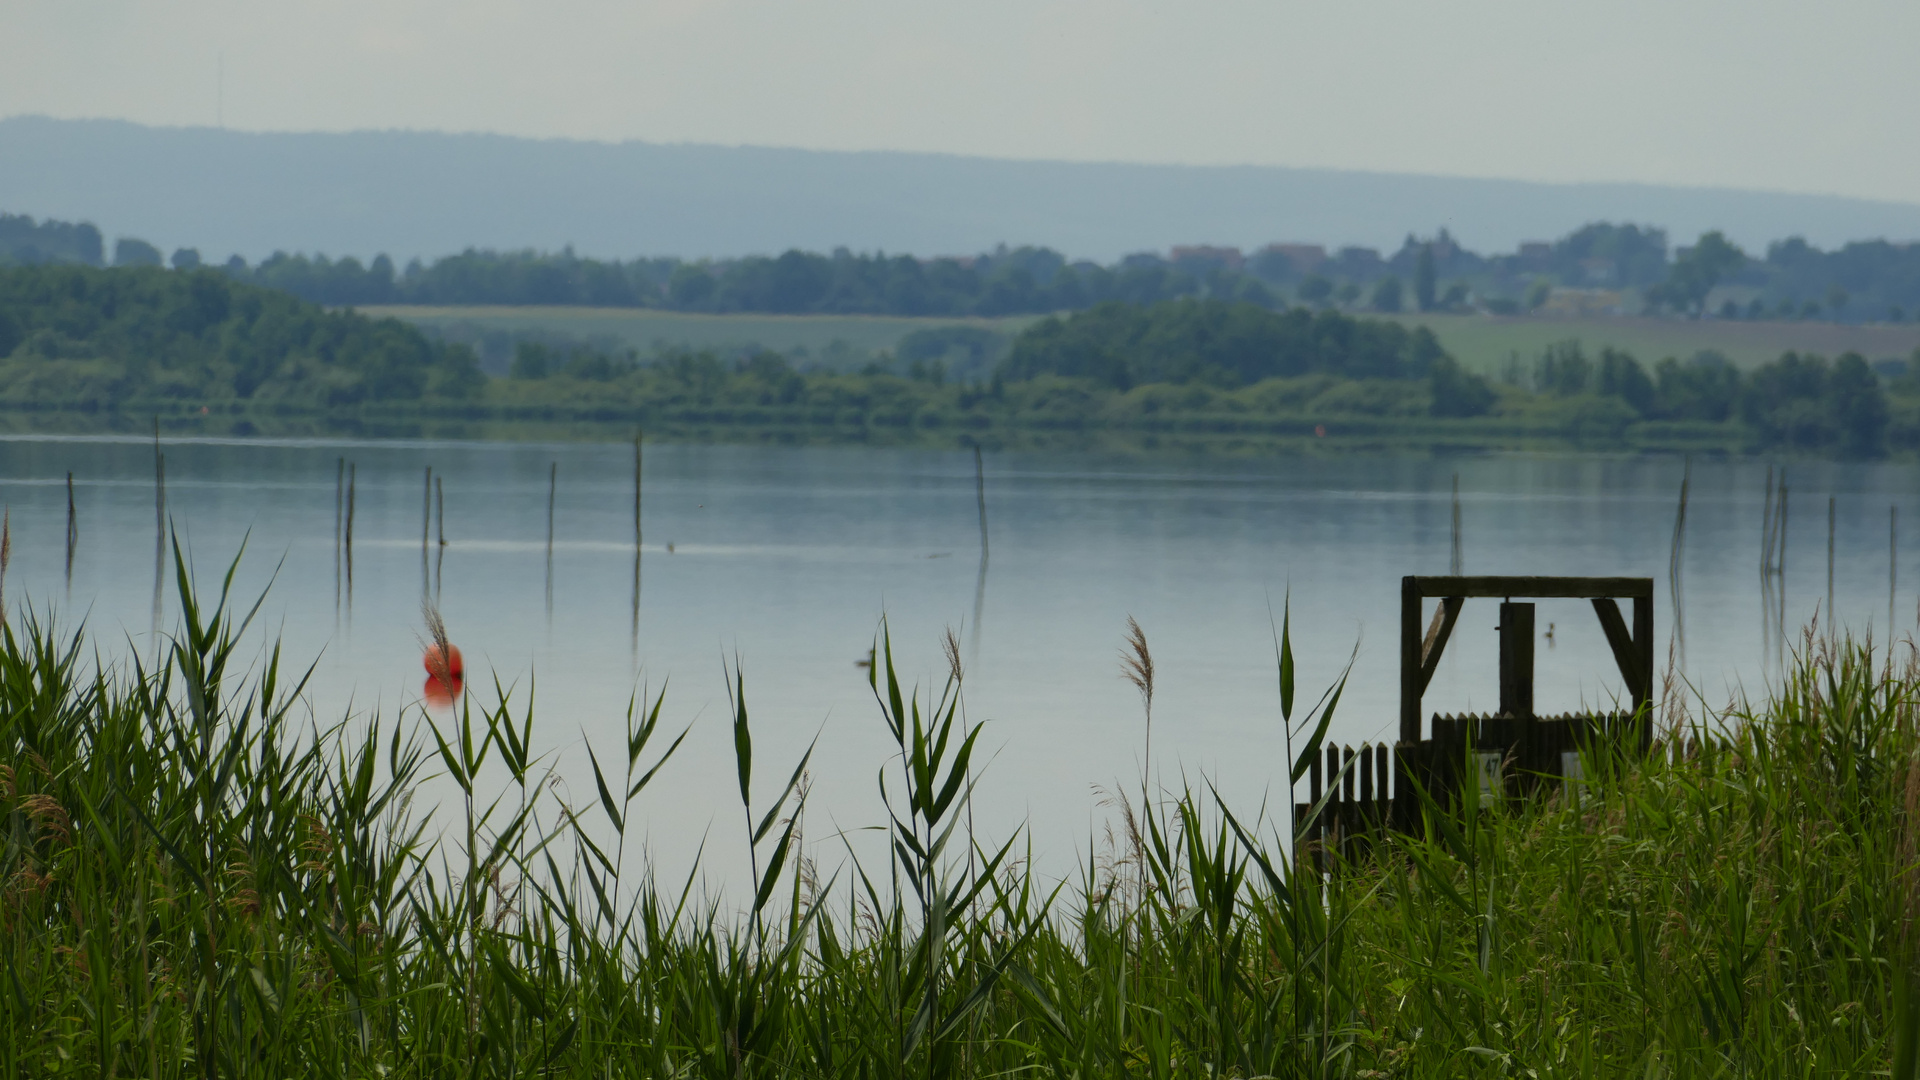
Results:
x,y
1696,272
1537,294
530,361
128,251
1387,294
1423,278
185,259
1457,392
1859,407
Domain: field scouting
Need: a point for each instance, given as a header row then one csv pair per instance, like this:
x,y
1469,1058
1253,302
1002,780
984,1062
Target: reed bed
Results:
x,y
199,880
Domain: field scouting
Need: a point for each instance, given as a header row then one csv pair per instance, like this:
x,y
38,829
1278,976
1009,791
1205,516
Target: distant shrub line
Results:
x,y
73,338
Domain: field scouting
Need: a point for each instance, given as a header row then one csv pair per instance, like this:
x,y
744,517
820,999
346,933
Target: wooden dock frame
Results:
x,y
1420,655
1535,747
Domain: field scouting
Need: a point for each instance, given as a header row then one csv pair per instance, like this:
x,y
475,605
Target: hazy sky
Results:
x,y
1811,97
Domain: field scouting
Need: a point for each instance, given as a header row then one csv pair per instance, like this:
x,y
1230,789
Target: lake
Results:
x,y
788,559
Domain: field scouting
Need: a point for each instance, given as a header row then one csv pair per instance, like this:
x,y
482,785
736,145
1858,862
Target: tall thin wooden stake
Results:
x,y
351,470
553,486
426,511
339,524
73,531
1830,517
1458,562
637,435
1766,529
1674,563
159,525
1893,562
980,584
980,495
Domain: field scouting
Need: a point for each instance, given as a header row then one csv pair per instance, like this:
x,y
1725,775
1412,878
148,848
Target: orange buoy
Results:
x,y
446,675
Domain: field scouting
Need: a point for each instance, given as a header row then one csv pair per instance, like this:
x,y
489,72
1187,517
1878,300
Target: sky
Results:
x,y
1763,94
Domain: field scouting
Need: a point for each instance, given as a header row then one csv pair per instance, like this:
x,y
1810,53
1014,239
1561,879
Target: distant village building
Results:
x,y
1584,303
1304,258
1599,271
1535,255
1208,256
1358,264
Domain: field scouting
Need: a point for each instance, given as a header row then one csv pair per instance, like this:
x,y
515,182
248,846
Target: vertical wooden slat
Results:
x,y
1643,645
1366,772
1409,659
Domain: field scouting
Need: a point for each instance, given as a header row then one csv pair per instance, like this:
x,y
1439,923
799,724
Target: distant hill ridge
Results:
x,y
424,194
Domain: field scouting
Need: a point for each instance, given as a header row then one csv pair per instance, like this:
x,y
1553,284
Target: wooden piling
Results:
x,y
1830,530
980,496
73,530
1456,562
351,470
553,486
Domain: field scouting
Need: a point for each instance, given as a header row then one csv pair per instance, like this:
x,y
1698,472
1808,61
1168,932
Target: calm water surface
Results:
x,y
788,559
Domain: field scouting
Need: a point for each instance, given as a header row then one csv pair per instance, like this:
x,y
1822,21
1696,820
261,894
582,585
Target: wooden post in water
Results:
x,y
634,637
1893,561
159,524
73,531
980,495
1830,517
635,632
1766,529
637,435
1457,560
440,557
553,486
339,523
351,469
1674,562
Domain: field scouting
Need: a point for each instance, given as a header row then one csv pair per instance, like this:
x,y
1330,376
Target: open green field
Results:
x,y
840,341
1484,342
1481,342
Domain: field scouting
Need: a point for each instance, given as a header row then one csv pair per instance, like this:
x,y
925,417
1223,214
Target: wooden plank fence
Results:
x,y
1512,758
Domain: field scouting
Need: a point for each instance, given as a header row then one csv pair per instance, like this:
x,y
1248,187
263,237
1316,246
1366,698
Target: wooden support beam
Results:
x,y
1578,588
1516,660
1444,617
1626,651
1410,685
1643,646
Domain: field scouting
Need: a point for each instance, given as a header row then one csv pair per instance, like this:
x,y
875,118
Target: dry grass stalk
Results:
x,y
1136,666
950,645
440,655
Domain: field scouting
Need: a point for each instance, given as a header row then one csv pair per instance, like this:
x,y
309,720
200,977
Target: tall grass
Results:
x,y
197,880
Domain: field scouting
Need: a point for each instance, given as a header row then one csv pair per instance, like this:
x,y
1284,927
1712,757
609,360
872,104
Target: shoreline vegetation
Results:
x,y
87,350
200,879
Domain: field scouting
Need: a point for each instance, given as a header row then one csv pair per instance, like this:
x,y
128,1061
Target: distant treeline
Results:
x,y
75,337
1864,281
143,338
